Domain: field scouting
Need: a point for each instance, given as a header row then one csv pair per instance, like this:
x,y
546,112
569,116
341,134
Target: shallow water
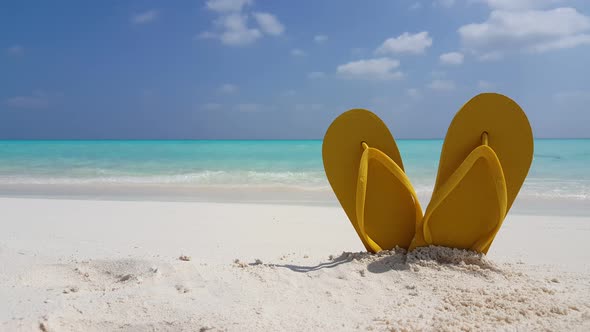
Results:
x,y
561,168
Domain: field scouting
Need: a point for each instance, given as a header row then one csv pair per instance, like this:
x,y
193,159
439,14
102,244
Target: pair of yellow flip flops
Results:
x,y
485,158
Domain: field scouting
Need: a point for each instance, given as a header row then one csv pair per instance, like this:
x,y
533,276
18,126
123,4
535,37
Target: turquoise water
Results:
x,y
561,168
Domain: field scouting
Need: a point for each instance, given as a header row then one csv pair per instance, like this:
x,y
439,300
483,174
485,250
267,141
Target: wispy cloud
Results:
x,y
223,6
533,31
406,43
451,58
444,3
490,56
37,100
520,4
442,85
233,30
371,69
232,25
298,52
269,24
145,17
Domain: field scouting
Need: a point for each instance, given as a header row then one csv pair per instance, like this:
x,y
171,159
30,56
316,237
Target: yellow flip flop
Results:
x,y
485,158
365,170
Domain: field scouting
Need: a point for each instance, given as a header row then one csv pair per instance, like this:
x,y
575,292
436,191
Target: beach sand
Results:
x,y
89,265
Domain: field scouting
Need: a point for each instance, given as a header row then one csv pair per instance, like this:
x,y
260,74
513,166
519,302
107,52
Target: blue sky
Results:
x,y
232,69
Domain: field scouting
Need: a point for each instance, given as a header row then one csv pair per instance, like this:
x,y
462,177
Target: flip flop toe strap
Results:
x,y
487,154
361,189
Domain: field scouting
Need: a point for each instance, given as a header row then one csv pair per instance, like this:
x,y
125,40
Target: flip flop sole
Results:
x,y
390,213
471,210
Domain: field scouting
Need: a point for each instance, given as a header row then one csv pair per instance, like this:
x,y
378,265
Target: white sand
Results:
x,y
85,265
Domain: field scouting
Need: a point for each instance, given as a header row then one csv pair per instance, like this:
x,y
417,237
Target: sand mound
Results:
x,y
440,288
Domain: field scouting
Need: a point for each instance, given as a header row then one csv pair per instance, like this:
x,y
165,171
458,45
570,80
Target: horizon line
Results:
x,y
238,139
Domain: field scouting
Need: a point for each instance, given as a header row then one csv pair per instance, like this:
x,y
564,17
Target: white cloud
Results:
x,y
234,30
406,43
442,85
314,75
298,52
269,24
145,17
37,100
210,107
528,31
249,108
371,69
232,25
485,85
320,39
15,50
414,93
565,42
452,58
228,88
227,5
520,4
237,31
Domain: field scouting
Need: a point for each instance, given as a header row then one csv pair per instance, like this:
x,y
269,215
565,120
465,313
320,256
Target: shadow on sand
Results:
x,y
342,259
395,262
378,263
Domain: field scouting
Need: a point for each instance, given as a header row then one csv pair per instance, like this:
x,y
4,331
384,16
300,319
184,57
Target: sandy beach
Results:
x,y
89,265
186,166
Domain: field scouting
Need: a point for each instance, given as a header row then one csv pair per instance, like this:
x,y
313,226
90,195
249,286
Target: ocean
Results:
x,y
561,168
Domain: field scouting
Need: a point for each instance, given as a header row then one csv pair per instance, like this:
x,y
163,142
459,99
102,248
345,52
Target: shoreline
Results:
x,y
525,204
